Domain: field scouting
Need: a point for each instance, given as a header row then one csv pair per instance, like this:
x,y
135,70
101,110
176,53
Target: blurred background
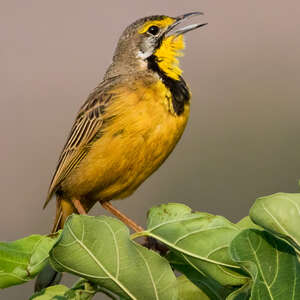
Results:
x,y
242,140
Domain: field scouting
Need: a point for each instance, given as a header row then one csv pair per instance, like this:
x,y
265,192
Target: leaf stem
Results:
x,y
138,234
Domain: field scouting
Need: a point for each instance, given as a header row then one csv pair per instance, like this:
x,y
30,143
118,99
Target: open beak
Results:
x,y
174,30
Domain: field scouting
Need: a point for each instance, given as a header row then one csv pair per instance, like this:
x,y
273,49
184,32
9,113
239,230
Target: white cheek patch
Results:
x,y
144,55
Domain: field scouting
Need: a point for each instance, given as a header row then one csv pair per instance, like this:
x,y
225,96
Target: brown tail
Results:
x,y
64,208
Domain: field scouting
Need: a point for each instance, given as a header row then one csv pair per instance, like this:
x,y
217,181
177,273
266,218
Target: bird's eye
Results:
x,y
153,30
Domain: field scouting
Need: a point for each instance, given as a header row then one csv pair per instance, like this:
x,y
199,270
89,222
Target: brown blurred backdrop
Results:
x,y
242,140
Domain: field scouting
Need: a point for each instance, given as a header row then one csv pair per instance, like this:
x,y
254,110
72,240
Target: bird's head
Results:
x,y
155,38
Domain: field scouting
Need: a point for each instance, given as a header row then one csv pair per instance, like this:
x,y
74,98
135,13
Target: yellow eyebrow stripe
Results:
x,y
167,21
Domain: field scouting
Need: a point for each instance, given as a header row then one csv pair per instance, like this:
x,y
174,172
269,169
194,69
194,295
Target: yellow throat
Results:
x,y
167,54
171,47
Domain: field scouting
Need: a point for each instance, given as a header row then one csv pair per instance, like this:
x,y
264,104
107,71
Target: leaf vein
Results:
x,y
187,252
117,249
100,265
259,266
150,273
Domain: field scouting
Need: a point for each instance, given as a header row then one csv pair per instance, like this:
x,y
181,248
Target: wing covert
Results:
x,y
87,124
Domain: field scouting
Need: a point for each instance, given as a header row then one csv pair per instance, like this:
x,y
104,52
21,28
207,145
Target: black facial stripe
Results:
x,y
178,88
157,42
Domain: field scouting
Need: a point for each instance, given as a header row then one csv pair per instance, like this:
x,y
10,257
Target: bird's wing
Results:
x,y
88,123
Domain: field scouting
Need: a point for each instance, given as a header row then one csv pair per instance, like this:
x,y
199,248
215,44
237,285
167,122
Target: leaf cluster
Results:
x,y
208,257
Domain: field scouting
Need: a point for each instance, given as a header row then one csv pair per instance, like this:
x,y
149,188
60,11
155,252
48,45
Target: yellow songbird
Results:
x,y
129,124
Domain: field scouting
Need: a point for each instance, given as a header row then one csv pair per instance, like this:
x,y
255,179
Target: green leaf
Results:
x,y
272,264
279,214
200,238
21,260
99,249
247,223
82,290
52,292
213,289
188,291
242,293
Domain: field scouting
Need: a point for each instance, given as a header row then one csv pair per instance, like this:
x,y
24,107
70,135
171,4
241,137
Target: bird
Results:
x,y
129,124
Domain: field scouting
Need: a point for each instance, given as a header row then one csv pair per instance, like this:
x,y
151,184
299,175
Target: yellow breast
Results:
x,y
141,134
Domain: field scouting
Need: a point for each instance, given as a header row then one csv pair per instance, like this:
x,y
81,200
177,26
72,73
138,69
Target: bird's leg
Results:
x,y
149,242
130,223
77,204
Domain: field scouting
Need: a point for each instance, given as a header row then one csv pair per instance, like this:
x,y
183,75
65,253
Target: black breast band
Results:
x,y
178,88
